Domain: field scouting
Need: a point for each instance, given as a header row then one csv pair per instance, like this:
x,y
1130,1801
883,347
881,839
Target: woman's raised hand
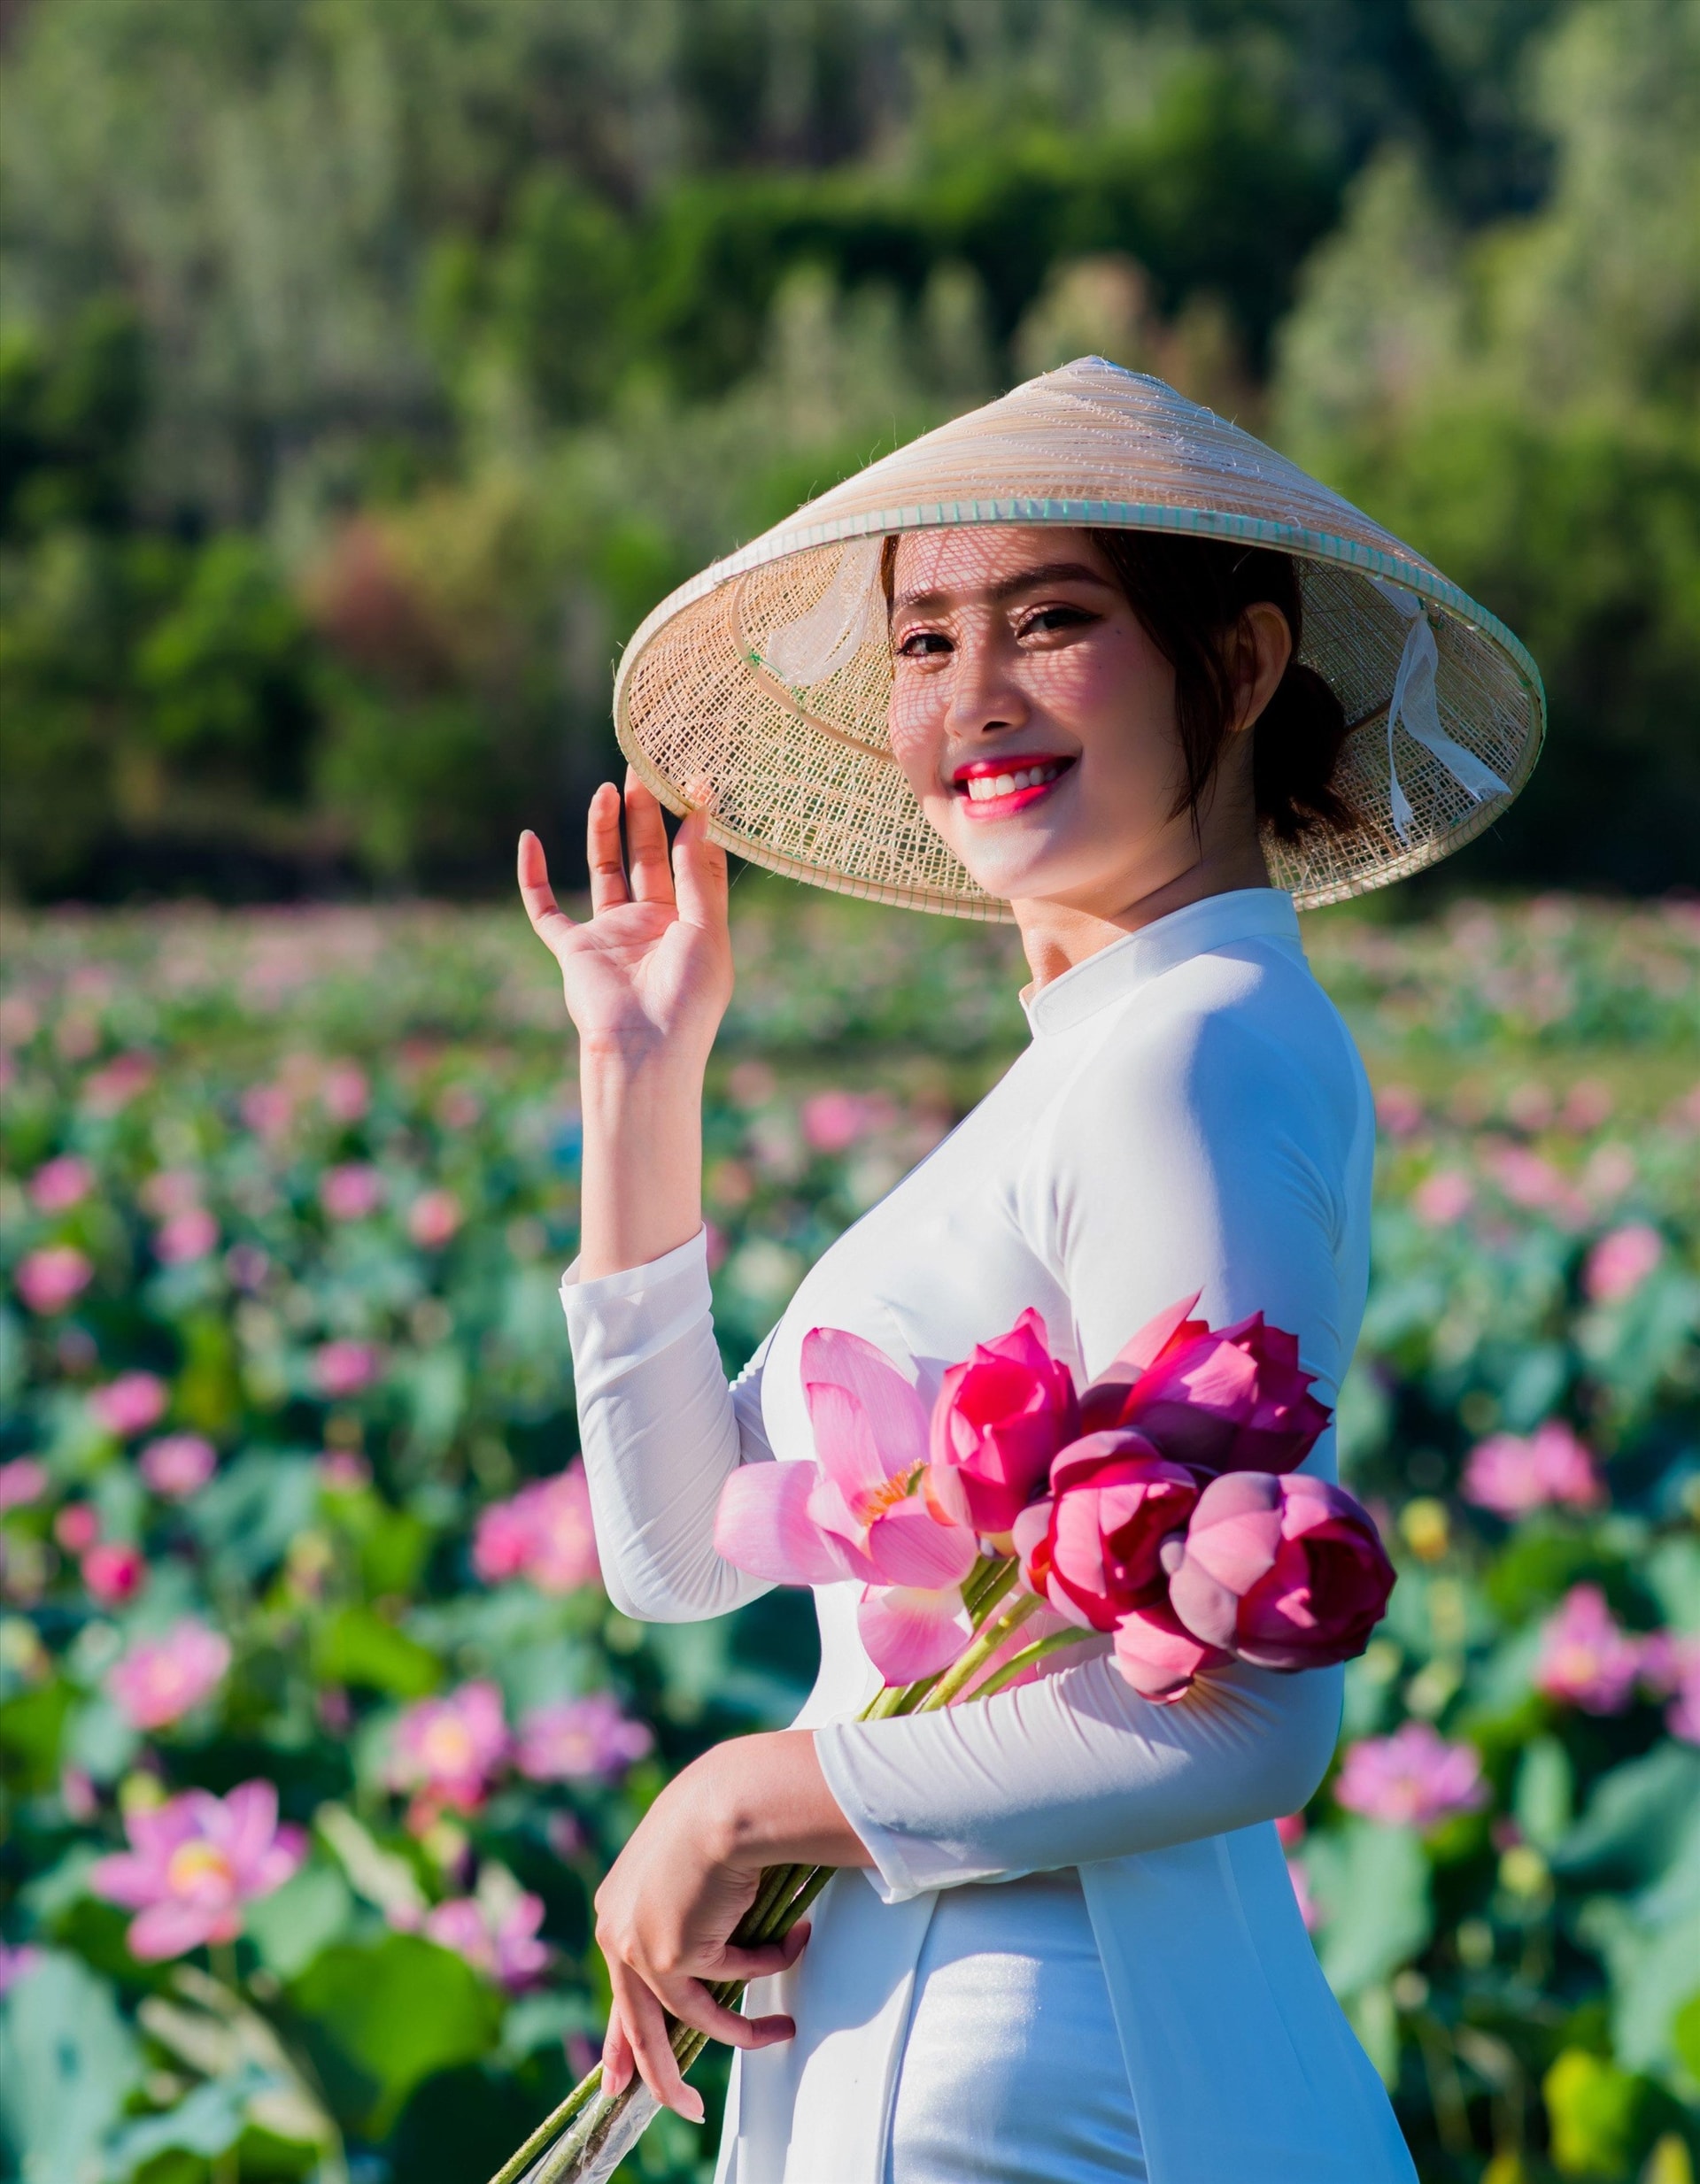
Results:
x,y
648,976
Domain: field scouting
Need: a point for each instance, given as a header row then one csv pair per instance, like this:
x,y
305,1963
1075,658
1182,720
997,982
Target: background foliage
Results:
x,y
369,368
294,1188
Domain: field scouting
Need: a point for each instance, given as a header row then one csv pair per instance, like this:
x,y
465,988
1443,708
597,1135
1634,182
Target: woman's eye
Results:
x,y
1052,618
921,644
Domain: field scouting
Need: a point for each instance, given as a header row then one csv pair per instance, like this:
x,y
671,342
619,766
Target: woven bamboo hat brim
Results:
x,y
767,677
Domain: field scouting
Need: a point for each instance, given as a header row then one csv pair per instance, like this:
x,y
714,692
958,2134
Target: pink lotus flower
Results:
x,y
170,1191
1000,1418
269,1110
1586,1655
856,1512
1413,1778
177,1465
130,1404
496,1938
160,1679
544,1534
580,1740
1308,1909
1443,1198
344,1368
22,1481
1670,1667
76,1527
833,1121
1511,1476
186,1237
58,1185
1233,1399
1092,1548
345,1094
114,1571
344,1470
433,1218
351,1192
54,1276
1285,1572
108,1091
448,1749
1620,1261
194,1863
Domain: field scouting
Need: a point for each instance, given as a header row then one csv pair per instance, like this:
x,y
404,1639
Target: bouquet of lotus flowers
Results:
x,y
1160,1507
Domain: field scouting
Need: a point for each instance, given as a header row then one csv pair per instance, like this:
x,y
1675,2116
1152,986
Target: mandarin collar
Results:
x,y
1121,968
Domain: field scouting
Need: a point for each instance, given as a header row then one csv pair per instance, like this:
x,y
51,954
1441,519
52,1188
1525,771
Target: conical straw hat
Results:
x,y
767,677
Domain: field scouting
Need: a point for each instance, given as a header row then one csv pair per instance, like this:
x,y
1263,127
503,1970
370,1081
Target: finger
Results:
x,y
608,887
645,2028
699,874
549,921
763,1961
617,2064
651,876
692,2004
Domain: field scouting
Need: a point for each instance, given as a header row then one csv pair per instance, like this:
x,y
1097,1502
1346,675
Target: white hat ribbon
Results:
x,y
830,635
1413,703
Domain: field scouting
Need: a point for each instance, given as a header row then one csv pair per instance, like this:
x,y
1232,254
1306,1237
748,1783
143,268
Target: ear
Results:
x,y
1264,648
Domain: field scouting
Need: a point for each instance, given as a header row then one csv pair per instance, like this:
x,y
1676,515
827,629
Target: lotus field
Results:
x,y
319,1730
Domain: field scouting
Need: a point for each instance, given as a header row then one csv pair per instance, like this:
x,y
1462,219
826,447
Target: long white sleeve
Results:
x,y
660,1431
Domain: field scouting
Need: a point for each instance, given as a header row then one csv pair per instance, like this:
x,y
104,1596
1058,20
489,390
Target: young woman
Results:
x,y
1064,1948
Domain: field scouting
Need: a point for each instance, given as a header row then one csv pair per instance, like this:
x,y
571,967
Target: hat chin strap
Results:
x,y
1413,702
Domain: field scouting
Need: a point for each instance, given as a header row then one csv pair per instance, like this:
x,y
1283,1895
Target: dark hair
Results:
x,y
1190,595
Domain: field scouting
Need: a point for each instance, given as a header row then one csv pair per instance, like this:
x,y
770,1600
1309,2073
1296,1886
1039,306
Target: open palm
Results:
x,y
649,974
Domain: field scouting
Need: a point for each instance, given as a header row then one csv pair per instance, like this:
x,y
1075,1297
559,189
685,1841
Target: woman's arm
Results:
x,y
647,980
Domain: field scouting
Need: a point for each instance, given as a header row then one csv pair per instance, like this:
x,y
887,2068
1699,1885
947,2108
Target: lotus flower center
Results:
x,y
200,1868
446,1749
874,1502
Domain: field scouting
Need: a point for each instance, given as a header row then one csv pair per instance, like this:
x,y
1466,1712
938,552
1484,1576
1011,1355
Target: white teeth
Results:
x,y
983,787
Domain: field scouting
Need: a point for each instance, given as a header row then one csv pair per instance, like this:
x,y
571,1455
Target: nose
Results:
x,y
986,696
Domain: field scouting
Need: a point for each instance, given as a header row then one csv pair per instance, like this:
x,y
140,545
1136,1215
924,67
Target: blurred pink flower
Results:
x,y
22,1481
170,1191
833,1121
247,1265
449,1749
433,1218
544,1533
114,1571
345,1094
351,1191
715,1245
579,1738
194,1863
1529,1180
1442,1197
54,1276
1588,1104
1586,1655
185,1236
160,1679
78,1796
1622,1262
498,1940
1399,1110
60,1184
112,1088
1511,1475
458,1107
1412,1778
76,1527
1670,1667
343,1368
130,1404
177,1465
269,1110
344,1470
15,1965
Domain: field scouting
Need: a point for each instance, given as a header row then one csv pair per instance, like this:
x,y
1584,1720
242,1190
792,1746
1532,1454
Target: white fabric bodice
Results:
x,y
1190,1115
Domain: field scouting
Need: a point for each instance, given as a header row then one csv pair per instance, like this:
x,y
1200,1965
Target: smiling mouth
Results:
x,y
993,789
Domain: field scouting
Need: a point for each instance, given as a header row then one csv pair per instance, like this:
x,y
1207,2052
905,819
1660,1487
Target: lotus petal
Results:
x,y
909,1632
908,1546
763,1525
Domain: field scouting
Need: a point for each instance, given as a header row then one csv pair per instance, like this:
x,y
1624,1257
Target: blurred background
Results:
x,y
367,369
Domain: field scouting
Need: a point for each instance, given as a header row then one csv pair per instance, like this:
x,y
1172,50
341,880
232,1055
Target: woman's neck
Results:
x,y
1057,933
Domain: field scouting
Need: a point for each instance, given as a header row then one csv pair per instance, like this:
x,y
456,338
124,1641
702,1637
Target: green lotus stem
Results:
x,y
520,2161
1008,1671
966,1666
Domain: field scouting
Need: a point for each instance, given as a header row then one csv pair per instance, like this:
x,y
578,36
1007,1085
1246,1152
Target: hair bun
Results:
x,y
1295,747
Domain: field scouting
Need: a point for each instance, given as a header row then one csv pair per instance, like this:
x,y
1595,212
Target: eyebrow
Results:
x,y
1024,580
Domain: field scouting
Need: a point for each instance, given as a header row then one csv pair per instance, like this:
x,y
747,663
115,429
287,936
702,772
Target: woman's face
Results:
x,y
1035,719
